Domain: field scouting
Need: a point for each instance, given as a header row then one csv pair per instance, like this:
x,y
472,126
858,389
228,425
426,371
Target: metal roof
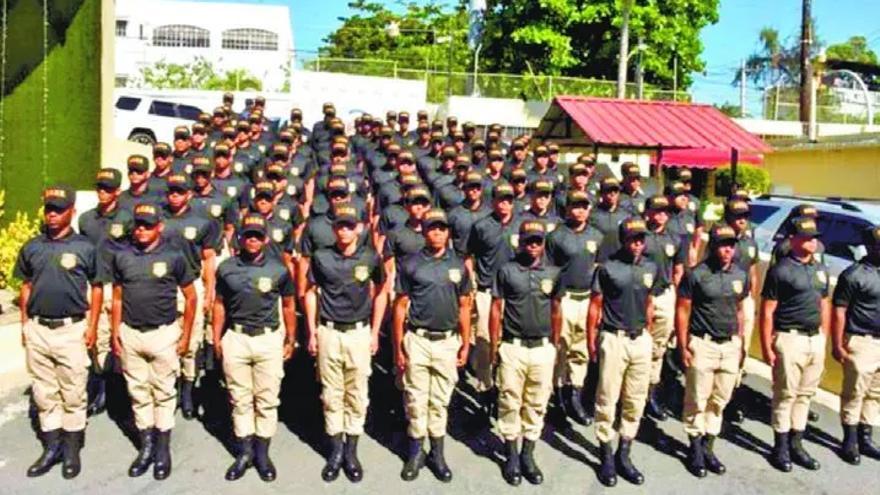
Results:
x,y
645,124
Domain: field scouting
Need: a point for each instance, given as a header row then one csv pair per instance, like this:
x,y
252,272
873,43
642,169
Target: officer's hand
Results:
x,y
218,349
374,344
90,337
207,305
463,352
289,348
770,357
400,359
116,345
840,353
313,345
592,350
687,358
182,347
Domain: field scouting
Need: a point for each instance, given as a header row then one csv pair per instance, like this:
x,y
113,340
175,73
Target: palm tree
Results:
x,y
772,62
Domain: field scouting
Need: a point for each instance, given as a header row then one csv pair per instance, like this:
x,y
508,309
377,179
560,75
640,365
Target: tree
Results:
x,y
777,59
855,49
199,74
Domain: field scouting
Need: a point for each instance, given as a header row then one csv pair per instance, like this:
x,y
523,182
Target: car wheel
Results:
x,y
142,137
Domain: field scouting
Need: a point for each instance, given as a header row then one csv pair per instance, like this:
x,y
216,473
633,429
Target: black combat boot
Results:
x,y
351,464
866,442
98,402
262,461
243,460
71,465
162,462
530,470
799,455
625,466
415,459
334,460
653,406
52,453
779,457
576,407
712,463
511,472
437,461
849,449
146,453
187,407
607,471
696,460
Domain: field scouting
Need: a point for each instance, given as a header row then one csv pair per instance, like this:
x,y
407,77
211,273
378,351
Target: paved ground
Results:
x,y
567,453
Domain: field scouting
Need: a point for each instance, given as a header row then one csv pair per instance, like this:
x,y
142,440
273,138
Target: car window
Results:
x,y
127,103
162,109
188,112
759,213
841,233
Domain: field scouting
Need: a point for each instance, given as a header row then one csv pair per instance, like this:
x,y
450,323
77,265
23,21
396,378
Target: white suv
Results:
x,y
146,120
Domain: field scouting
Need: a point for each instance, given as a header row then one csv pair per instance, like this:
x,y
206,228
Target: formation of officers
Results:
x,y
455,252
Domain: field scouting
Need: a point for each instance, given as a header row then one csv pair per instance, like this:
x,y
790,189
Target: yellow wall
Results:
x,y
847,172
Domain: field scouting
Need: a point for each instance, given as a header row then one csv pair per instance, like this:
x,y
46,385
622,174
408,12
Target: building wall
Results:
x,y
846,172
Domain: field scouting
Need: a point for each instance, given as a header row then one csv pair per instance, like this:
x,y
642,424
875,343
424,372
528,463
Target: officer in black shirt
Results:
x,y
58,325
856,336
463,217
138,188
632,196
343,323
247,338
782,248
607,216
709,326
433,307
622,295
795,321
146,276
407,239
210,203
162,160
281,235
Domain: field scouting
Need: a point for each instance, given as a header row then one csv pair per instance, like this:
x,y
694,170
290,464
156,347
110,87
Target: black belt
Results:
x,y
251,331
430,334
342,326
631,334
797,331
148,328
53,323
578,295
714,338
528,342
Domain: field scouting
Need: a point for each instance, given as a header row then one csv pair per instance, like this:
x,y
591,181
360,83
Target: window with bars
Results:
x,y
121,28
181,35
250,39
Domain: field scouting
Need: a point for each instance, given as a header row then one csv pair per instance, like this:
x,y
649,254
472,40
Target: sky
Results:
x,y
726,43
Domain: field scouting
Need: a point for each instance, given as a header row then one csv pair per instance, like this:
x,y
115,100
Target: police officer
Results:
x,y
856,336
138,185
573,247
433,307
795,321
526,318
58,325
343,319
162,160
683,221
622,297
408,238
632,196
180,155
608,215
253,349
541,207
210,203
472,209
782,248
146,276
107,226
709,326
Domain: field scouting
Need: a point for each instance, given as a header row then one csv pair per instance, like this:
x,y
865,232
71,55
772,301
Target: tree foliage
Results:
x,y
777,59
200,74
855,49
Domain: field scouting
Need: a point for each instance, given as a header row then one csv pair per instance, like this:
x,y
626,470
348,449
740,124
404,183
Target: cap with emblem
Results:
x,y
502,190
199,128
518,174
339,170
553,148
296,114
275,171
451,120
740,193
542,186
286,136
685,175
219,112
462,162
517,145
328,109
804,226
433,218
409,180
393,149
138,163
178,182
181,132
437,125
59,196
260,100
253,224
202,165
542,151
736,208
657,203
345,214
436,137
478,144
422,115
390,115
532,230
577,169
227,96
255,118
448,153
632,227
109,178
609,184
587,160
242,126
418,192
675,189
805,210
339,149
577,198
161,149
280,151
221,149
386,132
229,132
458,135
872,235
146,214
423,127
630,170
473,179
469,126
721,234
337,184
403,116
405,157
336,125
495,154
264,188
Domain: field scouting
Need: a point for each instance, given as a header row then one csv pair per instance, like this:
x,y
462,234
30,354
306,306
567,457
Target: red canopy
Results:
x,y
703,158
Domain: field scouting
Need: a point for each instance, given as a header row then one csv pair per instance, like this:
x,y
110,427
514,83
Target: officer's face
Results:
x,y
611,197
217,120
162,161
181,144
177,198
279,181
519,185
263,204
635,245
448,163
658,217
496,165
106,195
418,207
253,242
256,128
201,179
242,137
406,167
461,171
580,180
478,154
724,252
221,161
503,206
473,193
459,144
136,177
198,138
542,161
554,157
437,236
681,201
534,247
519,154
437,146
424,135
739,223
57,218
346,232
146,234
541,200
579,212
803,245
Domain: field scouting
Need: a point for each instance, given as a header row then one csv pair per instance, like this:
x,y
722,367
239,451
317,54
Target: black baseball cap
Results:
x,y
59,196
138,163
532,229
502,190
434,217
630,170
345,213
109,178
577,198
473,179
202,165
675,189
657,202
179,182
264,188
736,208
542,186
721,234
805,210
254,224
418,192
221,149
181,132
632,227
609,184
161,149
804,226
147,214
337,184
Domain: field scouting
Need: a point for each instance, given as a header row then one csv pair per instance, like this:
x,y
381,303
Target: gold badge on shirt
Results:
x,y
591,246
189,233
284,214
514,241
291,190
546,286
188,169
264,284
454,275
822,277
752,251
670,250
116,230
238,167
231,191
294,170
692,206
277,235
551,227
689,227
216,210
160,268
648,279
68,261
737,286
361,273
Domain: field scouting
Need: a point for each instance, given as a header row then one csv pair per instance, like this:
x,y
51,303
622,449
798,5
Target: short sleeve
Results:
x,y
388,246
598,279
656,290
183,273
682,252
93,259
289,245
286,286
231,213
843,293
686,287
403,278
378,275
473,240
23,268
498,284
770,290
222,288
464,285
211,239
305,242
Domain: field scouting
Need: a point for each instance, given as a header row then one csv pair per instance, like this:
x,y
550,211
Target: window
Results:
x,y
168,109
127,103
163,109
841,234
249,39
121,28
182,36
188,112
759,213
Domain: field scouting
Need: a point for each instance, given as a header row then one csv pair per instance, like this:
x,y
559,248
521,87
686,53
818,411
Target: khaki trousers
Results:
x,y
150,364
480,356
58,364
860,396
428,382
624,375
197,340
710,381
102,345
572,358
664,323
344,367
749,309
800,361
254,367
525,382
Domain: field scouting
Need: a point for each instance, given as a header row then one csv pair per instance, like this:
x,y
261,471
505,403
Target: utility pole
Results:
x,y
675,77
806,68
742,89
640,75
624,50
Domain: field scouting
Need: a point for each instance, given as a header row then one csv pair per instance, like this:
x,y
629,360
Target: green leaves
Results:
x,y
199,74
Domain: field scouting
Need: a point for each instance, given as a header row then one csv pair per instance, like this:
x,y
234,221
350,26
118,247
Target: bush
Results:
x,y
12,238
756,180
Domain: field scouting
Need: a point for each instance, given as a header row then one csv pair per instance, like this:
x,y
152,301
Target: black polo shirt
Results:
x,y
684,223
250,290
98,227
714,293
191,234
389,194
746,254
858,290
288,210
433,285
216,206
344,282
127,201
625,286
149,281
393,217
666,250
634,202
550,219
527,292
606,221
318,234
492,245
233,186
575,253
403,242
59,271
782,249
798,288
461,220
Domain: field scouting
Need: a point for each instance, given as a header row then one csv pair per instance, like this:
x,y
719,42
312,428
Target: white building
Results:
x,y
257,38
